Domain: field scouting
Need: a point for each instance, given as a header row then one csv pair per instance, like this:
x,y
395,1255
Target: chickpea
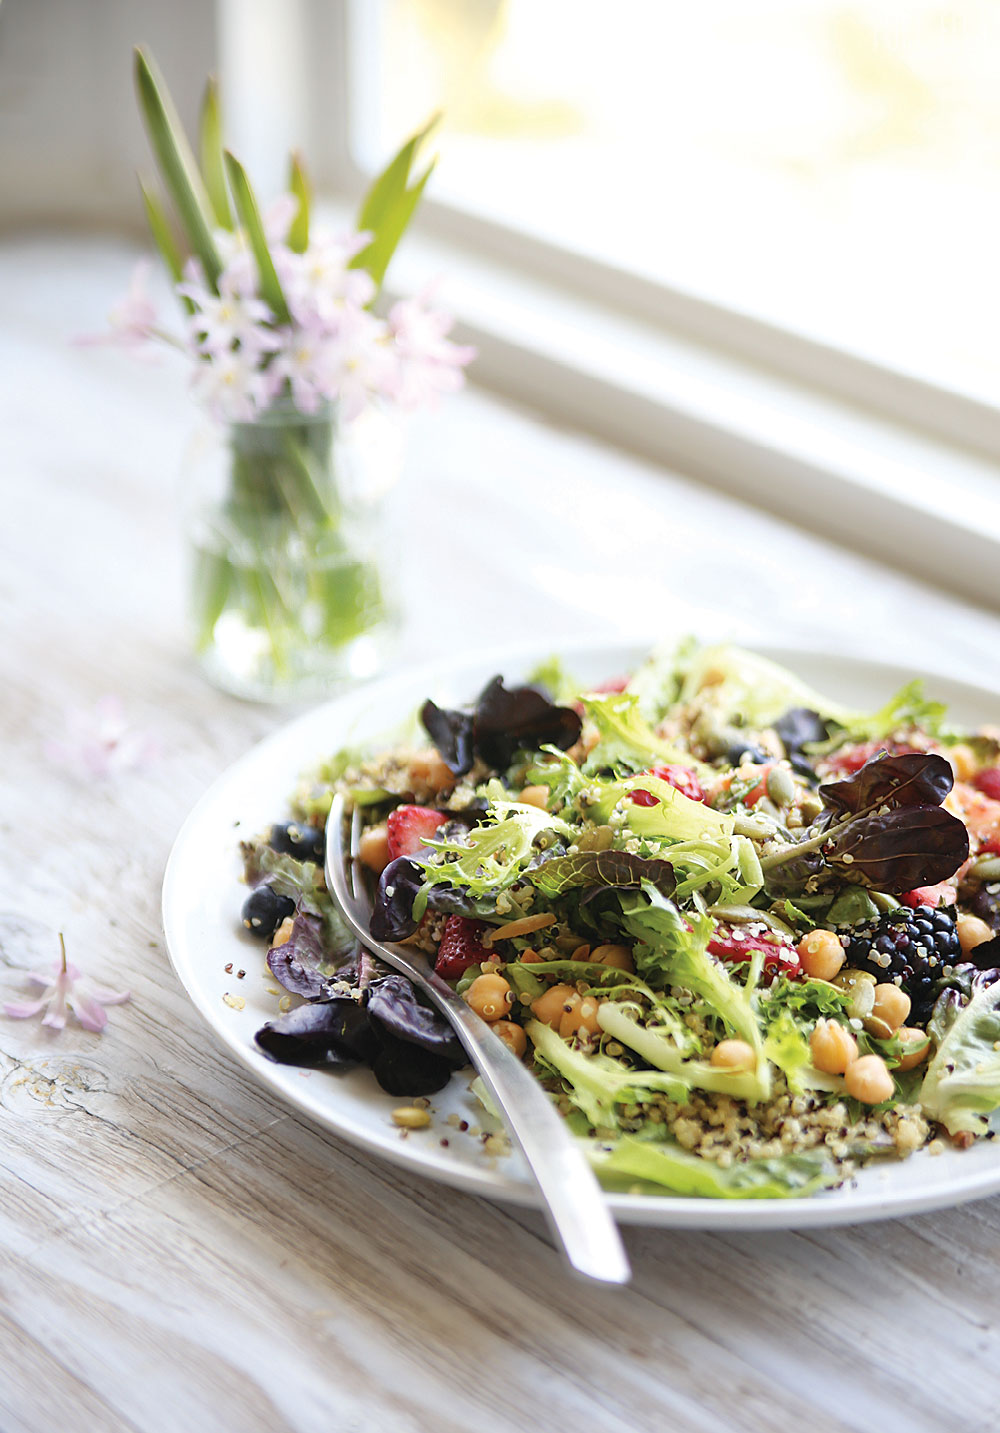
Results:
x,y
373,848
411,1117
512,1035
582,1016
536,796
553,1004
833,1048
909,1035
428,769
617,956
890,1008
821,954
868,1080
490,996
284,932
734,1055
972,932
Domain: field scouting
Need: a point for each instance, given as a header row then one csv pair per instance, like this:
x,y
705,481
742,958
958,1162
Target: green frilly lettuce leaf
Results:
x,y
788,1176
961,1088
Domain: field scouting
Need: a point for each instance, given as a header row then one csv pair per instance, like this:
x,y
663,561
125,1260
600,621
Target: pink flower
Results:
x,y
132,319
429,363
67,991
299,362
232,386
318,284
234,317
99,741
358,363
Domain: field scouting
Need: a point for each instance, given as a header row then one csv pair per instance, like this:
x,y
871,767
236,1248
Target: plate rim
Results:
x,y
845,1205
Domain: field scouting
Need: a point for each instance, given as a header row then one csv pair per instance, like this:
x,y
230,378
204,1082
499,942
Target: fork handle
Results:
x,y
575,1205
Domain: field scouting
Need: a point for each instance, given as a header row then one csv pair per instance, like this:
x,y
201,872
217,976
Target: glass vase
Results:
x,y
290,546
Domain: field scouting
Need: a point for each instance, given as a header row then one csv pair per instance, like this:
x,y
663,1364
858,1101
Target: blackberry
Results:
x,y
910,947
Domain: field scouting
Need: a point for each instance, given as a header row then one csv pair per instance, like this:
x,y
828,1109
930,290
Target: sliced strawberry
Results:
x,y
933,896
408,827
988,782
850,759
461,946
681,778
736,947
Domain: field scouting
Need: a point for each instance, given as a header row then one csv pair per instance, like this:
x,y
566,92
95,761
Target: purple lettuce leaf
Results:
x,y
913,778
897,850
324,1032
393,1005
502,723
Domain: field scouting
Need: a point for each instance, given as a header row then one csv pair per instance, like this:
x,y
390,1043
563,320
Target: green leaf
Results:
x,y
673,949
599,868
596,1082
163,237
212,167
663,1053
786,1176
389,205
249,215
177,165
376,257
496,851
626,738
386,188
961,1088
298,184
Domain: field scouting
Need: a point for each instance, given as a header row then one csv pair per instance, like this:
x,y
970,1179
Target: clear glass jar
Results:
x,y
291,551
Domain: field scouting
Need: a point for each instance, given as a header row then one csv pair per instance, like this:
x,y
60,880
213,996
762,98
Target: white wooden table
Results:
x,y
181,1252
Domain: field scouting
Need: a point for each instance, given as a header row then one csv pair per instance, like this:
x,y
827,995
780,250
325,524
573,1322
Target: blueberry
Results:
x,y
740,750
264,910
305,843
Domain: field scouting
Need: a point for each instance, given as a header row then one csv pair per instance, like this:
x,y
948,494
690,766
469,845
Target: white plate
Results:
x,y
201,906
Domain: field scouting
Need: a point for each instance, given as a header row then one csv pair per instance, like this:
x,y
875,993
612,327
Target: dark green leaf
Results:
x,y
249,214
177,165
599,868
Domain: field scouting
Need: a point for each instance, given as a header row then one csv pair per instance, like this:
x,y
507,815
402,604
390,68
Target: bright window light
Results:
x,y
832,167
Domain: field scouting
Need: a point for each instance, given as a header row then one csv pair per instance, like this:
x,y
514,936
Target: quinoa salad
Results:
x,y
747,938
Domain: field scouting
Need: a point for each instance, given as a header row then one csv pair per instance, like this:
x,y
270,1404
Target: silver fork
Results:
x,y
577,1211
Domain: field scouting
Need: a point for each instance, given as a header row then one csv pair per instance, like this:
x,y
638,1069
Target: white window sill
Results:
x,y
878,486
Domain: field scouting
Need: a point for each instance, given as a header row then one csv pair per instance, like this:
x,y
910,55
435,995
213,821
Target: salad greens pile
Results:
x,y
654,875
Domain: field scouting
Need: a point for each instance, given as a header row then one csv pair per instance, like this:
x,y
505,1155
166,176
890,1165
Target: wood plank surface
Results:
x,y
177,1250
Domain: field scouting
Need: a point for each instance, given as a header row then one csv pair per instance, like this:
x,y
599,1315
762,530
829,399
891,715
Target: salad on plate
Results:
x,y
746,937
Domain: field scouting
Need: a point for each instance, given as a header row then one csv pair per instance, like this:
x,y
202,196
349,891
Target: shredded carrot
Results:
x,y
524,926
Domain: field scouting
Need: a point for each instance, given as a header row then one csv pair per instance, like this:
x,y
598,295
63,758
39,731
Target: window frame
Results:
x,y
890,452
